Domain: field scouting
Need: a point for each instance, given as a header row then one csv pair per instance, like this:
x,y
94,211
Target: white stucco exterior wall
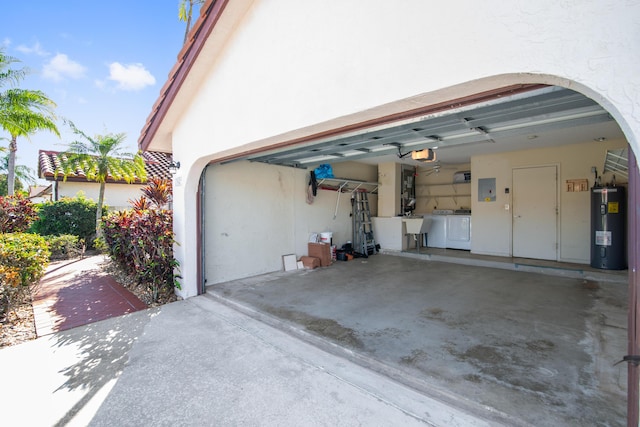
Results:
x,y
291,68
116,196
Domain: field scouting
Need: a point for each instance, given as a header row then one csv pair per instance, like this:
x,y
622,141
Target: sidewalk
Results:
x,y
77,292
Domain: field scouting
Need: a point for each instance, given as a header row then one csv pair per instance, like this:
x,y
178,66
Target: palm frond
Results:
x,y
100,158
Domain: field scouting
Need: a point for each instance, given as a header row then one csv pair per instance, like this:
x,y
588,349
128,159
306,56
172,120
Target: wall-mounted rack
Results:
x,y
347,185
454,194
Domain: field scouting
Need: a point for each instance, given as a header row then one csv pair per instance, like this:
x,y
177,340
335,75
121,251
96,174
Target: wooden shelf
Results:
x,y
443,185
453,194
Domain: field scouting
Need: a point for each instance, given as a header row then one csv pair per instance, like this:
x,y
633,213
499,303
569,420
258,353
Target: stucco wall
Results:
x,y
492,223
255,213
293,68
116,196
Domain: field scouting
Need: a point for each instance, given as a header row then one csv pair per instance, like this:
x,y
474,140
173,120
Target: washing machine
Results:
x,y
458,232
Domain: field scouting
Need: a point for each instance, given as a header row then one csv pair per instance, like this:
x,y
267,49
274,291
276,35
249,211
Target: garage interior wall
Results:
x,y
492,223
256,213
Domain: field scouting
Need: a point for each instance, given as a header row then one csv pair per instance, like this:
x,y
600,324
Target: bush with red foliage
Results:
x,y
16,214
140,241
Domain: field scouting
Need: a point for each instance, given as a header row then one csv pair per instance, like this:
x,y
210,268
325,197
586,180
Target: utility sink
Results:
x,y
417,224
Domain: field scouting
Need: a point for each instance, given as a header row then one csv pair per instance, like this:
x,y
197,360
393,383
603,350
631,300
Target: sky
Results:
x,y
102,62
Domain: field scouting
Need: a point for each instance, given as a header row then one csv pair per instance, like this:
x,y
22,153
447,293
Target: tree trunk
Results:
x,y
99,211
11,168
189,12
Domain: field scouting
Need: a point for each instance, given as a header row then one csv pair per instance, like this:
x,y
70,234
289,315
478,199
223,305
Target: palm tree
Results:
x,y
185,10
101,158
22,112
24,175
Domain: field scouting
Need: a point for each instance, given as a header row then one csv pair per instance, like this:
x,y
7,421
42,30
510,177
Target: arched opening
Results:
x,y
588,132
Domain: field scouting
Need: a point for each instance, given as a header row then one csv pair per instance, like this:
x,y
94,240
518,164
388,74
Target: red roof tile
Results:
x,y
156,166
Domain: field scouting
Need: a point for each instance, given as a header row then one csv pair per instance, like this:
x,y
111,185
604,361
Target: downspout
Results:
x,y
633,350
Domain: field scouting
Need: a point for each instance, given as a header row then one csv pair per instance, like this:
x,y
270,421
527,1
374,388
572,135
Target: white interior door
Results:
x,y
535,212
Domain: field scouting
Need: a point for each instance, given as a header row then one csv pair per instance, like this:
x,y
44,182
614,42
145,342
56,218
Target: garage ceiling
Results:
x,y
547,116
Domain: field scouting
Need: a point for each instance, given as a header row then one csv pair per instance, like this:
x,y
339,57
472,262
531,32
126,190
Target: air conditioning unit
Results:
x,y
461,176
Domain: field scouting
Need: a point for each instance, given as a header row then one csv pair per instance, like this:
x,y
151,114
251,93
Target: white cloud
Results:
x,y
36,49
61,67
130,77
6,42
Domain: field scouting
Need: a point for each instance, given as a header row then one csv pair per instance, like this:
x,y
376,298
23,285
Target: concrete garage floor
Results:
x,y
517,347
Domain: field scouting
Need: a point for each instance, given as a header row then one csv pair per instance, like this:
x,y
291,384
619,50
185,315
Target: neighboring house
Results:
x,y
40,193
117,192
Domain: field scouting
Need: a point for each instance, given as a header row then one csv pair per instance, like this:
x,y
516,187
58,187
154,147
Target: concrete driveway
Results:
x,y
525,347
199,363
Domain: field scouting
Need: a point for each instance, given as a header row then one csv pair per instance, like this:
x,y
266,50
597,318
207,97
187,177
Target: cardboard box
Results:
x,y
322,251
310,262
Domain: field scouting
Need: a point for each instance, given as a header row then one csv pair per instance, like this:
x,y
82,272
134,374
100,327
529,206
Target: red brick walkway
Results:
x,y
75,293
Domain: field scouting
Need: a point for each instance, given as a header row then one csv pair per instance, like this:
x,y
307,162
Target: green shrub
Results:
x,y
75,216
23,261
16,214
65,246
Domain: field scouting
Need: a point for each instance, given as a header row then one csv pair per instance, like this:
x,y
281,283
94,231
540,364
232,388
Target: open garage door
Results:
x,y
258,195
488,123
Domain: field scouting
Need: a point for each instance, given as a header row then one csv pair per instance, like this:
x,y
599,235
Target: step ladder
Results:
x,y
363,241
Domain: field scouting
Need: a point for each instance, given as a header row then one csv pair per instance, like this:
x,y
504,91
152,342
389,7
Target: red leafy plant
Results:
x,y
140,241
16,214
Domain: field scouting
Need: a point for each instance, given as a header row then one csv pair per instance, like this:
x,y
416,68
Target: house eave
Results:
x,y
210,14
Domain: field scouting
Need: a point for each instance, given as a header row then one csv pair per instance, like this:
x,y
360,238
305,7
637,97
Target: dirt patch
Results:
x,y
415,357
439,315
327,328
483,354
142,291
18,326
540,346
504,364
432,314
473,378
387,332
590,284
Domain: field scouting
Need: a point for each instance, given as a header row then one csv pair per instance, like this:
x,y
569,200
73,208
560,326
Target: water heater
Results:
x,y
608,228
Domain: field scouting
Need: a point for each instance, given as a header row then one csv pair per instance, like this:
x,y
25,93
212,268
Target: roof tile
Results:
x,y
156,166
